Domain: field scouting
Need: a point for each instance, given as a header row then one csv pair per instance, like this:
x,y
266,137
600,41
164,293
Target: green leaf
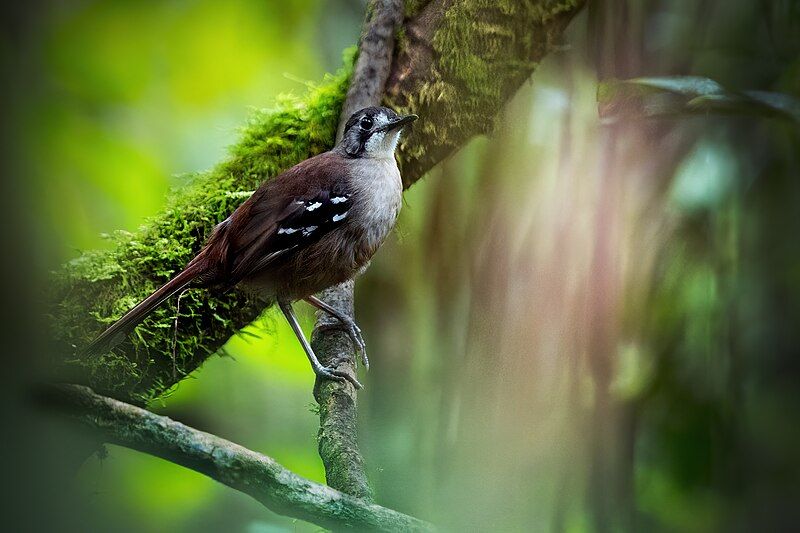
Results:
x,y
684,85
686,95
749,103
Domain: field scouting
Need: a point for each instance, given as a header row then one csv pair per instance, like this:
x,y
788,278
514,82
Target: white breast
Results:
x,y
379,196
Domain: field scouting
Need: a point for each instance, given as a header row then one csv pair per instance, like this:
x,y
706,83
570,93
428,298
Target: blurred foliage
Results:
x,y
134,92
578,326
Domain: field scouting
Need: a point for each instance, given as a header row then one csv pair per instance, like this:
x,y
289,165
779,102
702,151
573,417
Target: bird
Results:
x,y
309,228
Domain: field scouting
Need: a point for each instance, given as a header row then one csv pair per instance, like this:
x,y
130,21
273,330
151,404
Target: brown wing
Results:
x,y
286,214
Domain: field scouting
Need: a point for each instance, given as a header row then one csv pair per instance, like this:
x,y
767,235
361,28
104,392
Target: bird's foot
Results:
x,y
354,332
337,375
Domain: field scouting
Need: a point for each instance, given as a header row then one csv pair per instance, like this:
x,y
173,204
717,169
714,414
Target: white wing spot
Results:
x,y
313,206
287,231
309,230
338,199
337,218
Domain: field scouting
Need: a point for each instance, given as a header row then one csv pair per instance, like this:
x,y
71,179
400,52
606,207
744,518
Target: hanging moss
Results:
x,y
98,287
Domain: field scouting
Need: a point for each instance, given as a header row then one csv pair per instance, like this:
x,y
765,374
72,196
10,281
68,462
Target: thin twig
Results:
x,y
175,334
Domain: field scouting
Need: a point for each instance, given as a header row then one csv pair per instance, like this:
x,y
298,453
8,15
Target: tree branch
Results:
x,y
456,64
462,60
374,61
338,412
338,435
256,475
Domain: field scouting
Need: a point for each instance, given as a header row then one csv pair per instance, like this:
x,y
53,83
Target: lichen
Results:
x,y
98,287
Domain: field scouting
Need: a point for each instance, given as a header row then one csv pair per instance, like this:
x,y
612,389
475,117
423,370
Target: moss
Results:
x,y
413,7
484,50
98,287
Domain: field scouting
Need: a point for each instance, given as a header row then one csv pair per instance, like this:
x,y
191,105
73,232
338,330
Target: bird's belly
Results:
x,y
333,259
376,208
368,240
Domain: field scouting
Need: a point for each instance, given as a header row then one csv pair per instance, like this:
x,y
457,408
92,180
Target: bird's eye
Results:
x,y
366,123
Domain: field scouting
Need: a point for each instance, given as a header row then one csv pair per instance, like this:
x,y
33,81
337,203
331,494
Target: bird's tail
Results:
x,y
116,332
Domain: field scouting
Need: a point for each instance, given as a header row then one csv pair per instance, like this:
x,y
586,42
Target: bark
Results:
x,y
256,475
338,413
461,62
338,435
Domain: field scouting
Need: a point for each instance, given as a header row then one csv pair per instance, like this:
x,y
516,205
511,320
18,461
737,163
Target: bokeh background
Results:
x,y
579,324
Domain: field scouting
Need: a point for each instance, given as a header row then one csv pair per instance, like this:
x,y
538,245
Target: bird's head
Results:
x,y
373,132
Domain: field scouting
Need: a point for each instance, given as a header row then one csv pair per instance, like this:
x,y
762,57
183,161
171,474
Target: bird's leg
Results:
x,y
345,322
319,369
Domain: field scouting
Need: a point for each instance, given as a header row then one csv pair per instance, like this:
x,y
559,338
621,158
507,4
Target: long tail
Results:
x,y
117,331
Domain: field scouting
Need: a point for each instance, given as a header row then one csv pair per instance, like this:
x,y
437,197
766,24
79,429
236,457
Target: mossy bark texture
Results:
x,y
456,64
338,416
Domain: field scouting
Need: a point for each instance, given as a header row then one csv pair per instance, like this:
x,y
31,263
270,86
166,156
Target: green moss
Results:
x,y
484,50
98,287
413,7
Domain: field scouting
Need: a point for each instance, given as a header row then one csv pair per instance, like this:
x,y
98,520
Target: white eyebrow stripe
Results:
x,y
314,206
338,199
337,218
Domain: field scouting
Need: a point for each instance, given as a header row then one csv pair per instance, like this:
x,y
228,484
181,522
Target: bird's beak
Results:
x,y
399,123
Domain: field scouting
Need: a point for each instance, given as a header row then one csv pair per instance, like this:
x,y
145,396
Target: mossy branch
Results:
x,y
458,62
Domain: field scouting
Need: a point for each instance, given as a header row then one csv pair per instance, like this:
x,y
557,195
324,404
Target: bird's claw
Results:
x,y
337,375
354,332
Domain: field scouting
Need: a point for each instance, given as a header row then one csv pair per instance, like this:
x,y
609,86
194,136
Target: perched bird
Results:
x,y
307,229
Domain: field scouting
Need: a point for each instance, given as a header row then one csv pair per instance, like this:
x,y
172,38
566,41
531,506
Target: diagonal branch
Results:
x,y
374,61
256,475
